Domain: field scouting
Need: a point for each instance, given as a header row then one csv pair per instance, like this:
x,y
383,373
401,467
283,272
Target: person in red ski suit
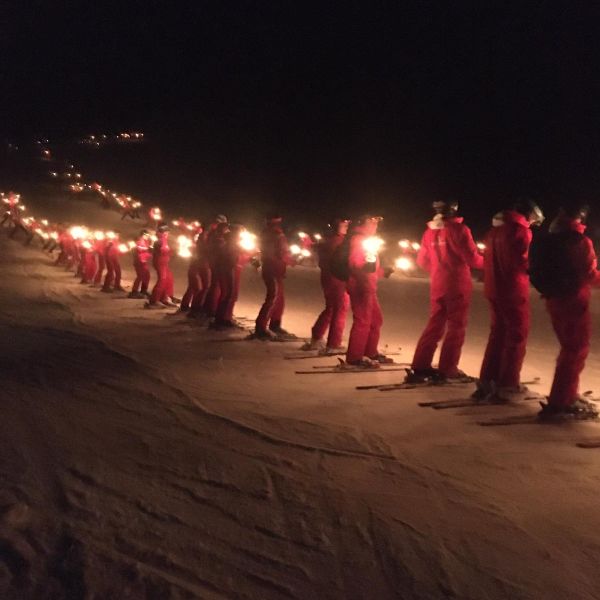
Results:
x,y
213,241
570,315
88,260
337,300
99,247
506,288
199,280
230,264
112,281
162,293
275,258
447,253
365,271
142,254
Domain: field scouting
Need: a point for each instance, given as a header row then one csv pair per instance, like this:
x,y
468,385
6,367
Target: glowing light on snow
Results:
x,y
404,264
184,246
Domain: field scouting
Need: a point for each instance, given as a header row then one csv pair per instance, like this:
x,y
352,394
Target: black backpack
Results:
x,y
551,268
339,264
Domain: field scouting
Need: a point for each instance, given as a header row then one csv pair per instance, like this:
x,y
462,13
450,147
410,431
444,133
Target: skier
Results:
x,y
112,281
199,279
364,270
448,253
275,258
162,293
99,246
233,258
88,259
141,257
337,300
563,268
214,240
506,287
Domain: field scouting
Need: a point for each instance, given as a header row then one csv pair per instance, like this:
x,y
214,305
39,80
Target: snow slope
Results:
x,y
142,456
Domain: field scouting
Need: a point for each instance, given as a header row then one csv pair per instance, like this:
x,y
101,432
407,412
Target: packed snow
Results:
x,y
144,456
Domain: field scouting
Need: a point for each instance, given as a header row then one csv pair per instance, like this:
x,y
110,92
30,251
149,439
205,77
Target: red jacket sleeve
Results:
x,y
588,261
469,251
424,257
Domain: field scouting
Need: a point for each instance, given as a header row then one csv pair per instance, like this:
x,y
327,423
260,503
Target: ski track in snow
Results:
x,y
139,461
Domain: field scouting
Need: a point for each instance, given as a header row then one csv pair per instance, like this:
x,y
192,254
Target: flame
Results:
x,y
295,249
318,237
404,244
247,241
77,232
480,246
405,264
123,248
184,245
415,246
372,245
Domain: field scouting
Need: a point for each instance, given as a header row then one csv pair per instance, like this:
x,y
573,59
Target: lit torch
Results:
x,y
184,246
372,245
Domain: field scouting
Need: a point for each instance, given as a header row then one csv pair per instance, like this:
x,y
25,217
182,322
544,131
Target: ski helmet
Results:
x,y
220,219
162,228
447,208
577,211
368,217
529,208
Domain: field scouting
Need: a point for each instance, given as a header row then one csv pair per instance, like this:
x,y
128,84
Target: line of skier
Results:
x,y
561,265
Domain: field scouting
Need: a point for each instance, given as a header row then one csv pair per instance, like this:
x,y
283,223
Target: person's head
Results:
x,y
575,211
220,219
339,226
530,210
368,223
274,219
163,229
222,228
145,233
446,208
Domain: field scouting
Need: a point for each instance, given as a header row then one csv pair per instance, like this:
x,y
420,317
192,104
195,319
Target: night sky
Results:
x,y
341,107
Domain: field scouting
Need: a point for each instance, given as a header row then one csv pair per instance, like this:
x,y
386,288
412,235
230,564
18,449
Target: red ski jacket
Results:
x,y
582,255
448,253
326,249
506,258
274,251
363,275
161,253
142,253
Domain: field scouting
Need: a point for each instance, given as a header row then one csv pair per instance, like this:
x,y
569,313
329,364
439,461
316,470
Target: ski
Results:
x,y
357,369
411,386
468,402
588,444
310,354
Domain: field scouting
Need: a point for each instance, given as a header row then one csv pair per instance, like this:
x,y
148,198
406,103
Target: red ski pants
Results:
x,y
449,316
272,309
229,282
142,277
89,267
113,273
507,343
572,323
197,289
333,317
213,295
163,288
366,323
101,266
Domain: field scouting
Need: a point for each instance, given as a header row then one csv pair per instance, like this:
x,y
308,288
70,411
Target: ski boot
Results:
x,y
459,377
482,391
169,303
318,345
263,335
154,305
429,375
330,351
364,363
281,333
581,409
106,290
382,359
136,295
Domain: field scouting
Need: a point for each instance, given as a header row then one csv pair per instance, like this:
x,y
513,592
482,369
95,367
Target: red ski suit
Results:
x,y
572,320
215,241
230,263
448,253
89,266
199,278
275,257
366,312
336,295
113,265
161,255
506,286
99,248
141,258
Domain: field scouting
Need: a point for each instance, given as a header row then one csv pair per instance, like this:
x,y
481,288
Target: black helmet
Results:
x,y
162,228
333,223
529,208
368,217
576,210
144,232
447,208
274,217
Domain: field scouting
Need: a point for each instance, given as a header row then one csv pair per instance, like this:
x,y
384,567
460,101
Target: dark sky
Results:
x,y
372,104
